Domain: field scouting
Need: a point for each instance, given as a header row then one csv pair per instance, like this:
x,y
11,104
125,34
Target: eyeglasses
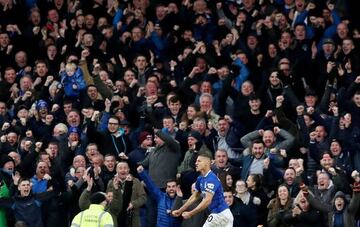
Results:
x,y
113,123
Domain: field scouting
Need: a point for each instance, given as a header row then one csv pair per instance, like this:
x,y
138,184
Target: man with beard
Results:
x,y
165,156
92,99
273,147
165,200
292,181
108,170
254,163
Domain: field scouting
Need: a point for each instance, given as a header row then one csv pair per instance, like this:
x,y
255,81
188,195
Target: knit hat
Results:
x,y
5,159
253,34
310,93
195,134
97,198
340,194
143,136
41,104
74,130
124,122
22,107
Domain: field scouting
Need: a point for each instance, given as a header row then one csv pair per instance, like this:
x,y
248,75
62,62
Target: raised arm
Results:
x,y
246,140
169,141
154,191
288,140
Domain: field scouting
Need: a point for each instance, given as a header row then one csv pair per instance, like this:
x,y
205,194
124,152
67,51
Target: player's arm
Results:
x,y
194,196
202,205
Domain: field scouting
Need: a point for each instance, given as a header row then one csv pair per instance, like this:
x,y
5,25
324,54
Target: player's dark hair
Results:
x,y
204,154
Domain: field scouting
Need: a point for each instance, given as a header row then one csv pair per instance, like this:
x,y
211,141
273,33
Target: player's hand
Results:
x,y
186,215
176,213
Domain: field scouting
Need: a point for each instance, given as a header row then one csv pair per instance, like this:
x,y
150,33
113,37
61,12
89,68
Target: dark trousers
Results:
x,y
151,211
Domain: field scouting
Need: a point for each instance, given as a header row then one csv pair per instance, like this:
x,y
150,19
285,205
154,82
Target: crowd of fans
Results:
x,y
121,97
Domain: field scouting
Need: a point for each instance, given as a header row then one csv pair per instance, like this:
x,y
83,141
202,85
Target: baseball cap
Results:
x,y
328,41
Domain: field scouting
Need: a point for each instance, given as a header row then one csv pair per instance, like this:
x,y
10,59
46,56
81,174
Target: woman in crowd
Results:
x,y
278,207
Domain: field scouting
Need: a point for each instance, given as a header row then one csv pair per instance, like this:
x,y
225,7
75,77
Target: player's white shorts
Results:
x,y
223,219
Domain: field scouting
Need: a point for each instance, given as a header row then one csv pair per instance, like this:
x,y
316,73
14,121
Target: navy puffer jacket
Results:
x,y
164,201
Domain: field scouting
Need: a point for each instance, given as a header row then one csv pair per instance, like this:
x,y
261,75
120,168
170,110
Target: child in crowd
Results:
x,y
72,80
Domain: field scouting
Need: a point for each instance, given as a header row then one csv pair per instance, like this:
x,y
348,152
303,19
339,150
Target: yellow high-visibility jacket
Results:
x,y
95,216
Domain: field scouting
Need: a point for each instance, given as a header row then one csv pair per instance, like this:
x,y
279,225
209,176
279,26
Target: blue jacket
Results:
x,y
243,75
164,201
68,82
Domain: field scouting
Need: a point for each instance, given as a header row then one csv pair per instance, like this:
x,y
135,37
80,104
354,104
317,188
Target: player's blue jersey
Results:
x,y
210,183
